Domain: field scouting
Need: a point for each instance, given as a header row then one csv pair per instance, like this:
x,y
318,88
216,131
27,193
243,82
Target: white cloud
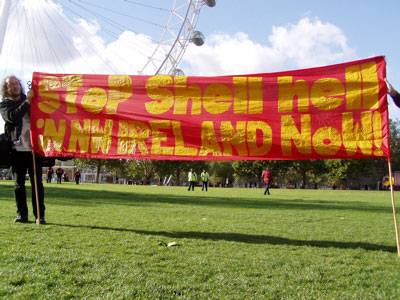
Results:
x,y
41,38
53,43
305,44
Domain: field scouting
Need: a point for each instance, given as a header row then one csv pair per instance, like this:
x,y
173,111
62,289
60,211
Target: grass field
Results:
x,y
110,242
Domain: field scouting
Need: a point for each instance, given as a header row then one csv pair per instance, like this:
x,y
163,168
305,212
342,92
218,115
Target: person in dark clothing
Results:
x,y
50,173
14,109
393,93
77,176
66,177
59,173
266,176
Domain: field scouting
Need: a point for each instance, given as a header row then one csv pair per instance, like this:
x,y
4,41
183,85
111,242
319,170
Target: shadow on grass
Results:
x,y
91,198
243,238
81,197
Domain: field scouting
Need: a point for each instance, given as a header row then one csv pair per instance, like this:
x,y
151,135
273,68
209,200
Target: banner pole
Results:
x,y
36,189
394,208
35,181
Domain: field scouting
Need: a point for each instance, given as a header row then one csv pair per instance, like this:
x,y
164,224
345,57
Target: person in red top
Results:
x,y
266,176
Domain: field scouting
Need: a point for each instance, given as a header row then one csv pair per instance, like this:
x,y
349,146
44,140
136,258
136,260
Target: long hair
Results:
x,y
4,92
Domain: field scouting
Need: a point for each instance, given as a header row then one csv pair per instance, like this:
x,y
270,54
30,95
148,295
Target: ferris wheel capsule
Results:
x,y
197,38
210,3
177,72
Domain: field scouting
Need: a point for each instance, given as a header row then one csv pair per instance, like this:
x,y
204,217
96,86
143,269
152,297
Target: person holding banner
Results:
x,y
14,109
393,93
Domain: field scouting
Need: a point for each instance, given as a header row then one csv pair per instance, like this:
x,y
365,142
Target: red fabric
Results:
x,y
266,175
337,111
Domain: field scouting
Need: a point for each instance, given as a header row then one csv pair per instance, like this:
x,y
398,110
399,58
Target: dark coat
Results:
x,y
396,98
13,112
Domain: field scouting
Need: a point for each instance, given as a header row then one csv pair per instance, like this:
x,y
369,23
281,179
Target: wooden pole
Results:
x,y
36,189
391,179
35,181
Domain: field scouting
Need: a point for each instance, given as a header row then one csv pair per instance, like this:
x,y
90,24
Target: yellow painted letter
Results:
x,y
79,136
290,133
288,91
236,137
48,92
256,149
327,93
357,134
94,100
209,144
183,94
217,99
163,98
120,90
327,141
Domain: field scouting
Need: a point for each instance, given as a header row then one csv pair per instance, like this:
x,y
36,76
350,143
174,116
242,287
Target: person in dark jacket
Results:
x,y
50,173
77,176
394,94
14,109
59,173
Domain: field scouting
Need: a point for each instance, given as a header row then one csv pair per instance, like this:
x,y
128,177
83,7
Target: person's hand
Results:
x,y
30,95
390,89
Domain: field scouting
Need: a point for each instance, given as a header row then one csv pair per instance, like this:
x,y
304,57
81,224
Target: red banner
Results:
x,y
338,111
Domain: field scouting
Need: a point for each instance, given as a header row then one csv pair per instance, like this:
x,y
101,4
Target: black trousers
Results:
x,y
191,185
49,177
204,186
21,163
266,185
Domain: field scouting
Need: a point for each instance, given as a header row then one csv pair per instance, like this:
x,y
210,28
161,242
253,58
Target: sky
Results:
x,y
241,37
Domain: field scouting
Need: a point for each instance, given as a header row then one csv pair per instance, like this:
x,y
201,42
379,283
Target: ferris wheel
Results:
x,y
97,36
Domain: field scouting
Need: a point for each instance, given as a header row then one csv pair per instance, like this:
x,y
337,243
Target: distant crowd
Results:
x,y
61,175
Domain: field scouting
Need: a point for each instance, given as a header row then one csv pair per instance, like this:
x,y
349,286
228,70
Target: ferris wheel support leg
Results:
x,y
4,12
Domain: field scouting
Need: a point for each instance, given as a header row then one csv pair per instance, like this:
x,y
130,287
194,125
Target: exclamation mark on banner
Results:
x,y
377,131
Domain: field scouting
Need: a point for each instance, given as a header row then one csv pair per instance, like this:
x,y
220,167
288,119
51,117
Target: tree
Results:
x,y
394,127
249,170
219,171
307,169
142,170
93,164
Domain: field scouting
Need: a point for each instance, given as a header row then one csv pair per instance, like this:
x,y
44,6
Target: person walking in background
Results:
x,y
50,173
14,109
65,177
77,176
204,179
266,176
192,178
59,173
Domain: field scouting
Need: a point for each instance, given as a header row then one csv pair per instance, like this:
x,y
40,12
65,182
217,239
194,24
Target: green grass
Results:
x,y
109,242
